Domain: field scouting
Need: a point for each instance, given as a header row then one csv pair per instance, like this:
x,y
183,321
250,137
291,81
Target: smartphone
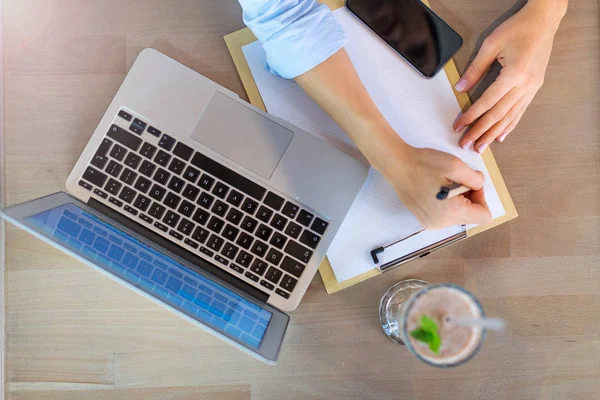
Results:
x,y
415,32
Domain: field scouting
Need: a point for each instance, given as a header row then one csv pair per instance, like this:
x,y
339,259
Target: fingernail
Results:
x,y
460,85
466,144
460,128
481,147
502,136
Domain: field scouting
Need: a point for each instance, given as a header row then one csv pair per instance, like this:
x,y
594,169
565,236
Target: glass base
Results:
x,y
391,302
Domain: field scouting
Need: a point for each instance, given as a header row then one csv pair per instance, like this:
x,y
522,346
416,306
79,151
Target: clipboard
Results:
x,y
236,40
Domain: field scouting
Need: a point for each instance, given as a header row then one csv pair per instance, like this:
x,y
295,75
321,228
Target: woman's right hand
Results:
x,y
417,174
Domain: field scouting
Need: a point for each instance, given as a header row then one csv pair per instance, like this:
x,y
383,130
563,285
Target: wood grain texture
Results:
x,y
75,334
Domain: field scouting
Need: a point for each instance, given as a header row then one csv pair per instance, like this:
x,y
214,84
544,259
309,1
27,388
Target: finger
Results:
x,y
510,127
504,109
473,211
488,99
460,172
478,67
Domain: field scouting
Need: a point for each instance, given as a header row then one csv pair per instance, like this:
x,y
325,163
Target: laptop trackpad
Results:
x,y
242,135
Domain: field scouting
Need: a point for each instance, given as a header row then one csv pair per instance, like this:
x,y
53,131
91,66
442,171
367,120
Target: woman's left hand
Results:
x,y
522,45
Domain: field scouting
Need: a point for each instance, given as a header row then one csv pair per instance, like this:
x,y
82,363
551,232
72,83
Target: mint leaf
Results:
x,y
428,333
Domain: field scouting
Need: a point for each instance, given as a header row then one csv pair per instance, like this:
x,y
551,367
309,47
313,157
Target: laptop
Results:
x,y
201,202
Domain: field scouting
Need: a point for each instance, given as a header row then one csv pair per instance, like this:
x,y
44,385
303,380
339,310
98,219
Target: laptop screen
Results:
x,y
155,273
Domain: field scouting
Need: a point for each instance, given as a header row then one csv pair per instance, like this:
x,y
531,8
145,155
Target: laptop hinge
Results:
x,y
179,251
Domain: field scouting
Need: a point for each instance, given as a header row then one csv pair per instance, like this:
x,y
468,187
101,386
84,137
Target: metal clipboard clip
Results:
x,y
375,253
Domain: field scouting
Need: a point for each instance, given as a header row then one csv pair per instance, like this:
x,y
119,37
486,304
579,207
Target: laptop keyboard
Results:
x,y
210,209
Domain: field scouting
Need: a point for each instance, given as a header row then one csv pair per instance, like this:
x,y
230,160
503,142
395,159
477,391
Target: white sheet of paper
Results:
x,y
420,110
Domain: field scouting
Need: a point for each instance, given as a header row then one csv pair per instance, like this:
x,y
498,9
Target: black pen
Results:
x,y
449,191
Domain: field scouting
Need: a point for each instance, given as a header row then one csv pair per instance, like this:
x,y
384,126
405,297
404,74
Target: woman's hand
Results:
x,y
417,175
522,45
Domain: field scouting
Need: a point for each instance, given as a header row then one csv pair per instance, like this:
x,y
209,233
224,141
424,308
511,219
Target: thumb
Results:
x,y
461,173
475,209
478,67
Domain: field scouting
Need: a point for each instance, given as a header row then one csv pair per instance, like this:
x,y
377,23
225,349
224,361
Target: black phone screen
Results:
x,y
412,29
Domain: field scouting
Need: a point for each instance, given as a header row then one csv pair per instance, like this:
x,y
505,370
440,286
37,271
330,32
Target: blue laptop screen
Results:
x,y
155,273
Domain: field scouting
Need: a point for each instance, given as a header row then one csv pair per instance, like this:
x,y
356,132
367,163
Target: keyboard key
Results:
x,y
259,248
153,131
215,224
100,193
264,214
274,256
304,217
127,195
292,266
300,252
159,276
176,184
156,210
201,216
132,160
186,226
293,230
249,206
94,176
186,208
147,168
251,276
190,192
215,242
130,210
113,186
176,235
183,151
171,219
244,259
142,202
273,275
116,202
310,239
230,232
236,268
125,115
205,200
290,210
125,138
146,218
273,201
85,185
99,160
220,208
128,176
206,251
235,198
259,267
173,284
266,284
228,176
229,251
282,293
206,182
220,190
278,240
191,243
234,216
191,174
249,224
264,232
288,283
278,222
162,158
245,240
200,234
221,260
176,166
136,129
157,192
148,150
172,200
113,168
166,142
142,184
161,176
140,123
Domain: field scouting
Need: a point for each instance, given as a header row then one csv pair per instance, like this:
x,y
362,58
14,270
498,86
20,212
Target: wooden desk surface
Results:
x,y
74,334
